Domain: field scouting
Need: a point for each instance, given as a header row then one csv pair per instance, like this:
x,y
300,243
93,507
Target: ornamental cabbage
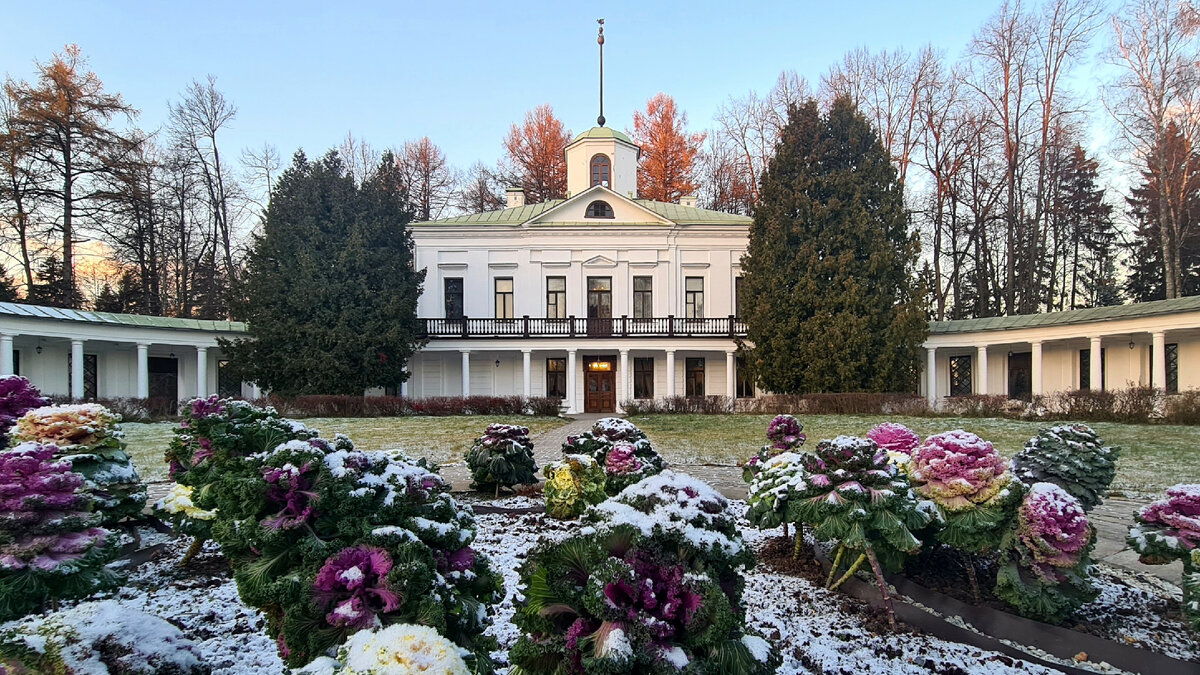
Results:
x,y
90,437
785,434
1169,530
970,484
502,457
399,649
97,638
633,458
653,584
1045,559
773,489
50,544
17,397
573,484
178,500
328,540
898,440
1072,457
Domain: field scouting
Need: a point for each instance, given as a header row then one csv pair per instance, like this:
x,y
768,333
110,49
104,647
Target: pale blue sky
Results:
x,y
304,73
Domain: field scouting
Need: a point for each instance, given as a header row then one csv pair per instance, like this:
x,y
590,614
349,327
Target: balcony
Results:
x,y
574,327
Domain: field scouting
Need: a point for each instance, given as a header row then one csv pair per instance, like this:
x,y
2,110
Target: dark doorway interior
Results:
x,y
1020,376
164,382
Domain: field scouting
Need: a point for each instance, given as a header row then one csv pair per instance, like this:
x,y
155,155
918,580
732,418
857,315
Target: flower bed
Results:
x,y
620,448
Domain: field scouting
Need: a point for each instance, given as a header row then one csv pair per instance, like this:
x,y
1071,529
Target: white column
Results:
x,y
1036,358
1158,379
1096,365
931,376
466,372
6,354
404,384
623,379
670,373
525,369
730,376
143,370
572,396
981,365
76,369
202,371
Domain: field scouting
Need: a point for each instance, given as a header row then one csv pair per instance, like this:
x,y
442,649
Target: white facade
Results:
x,y
681,263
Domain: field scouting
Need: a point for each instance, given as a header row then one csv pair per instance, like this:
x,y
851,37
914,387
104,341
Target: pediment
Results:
x,y
573,211
599,261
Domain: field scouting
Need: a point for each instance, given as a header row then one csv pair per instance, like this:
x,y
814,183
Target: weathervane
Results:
x,y
600,41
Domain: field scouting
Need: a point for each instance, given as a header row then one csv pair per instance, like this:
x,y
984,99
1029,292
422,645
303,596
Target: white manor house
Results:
x,y
600,298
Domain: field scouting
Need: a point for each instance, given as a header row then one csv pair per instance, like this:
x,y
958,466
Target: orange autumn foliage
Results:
x,y
667,170
535,155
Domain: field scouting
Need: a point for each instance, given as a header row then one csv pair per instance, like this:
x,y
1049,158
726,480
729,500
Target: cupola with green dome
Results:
x,y
602,156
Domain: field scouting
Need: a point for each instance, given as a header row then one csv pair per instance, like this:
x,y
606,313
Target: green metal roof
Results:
x,y
603,132
1068,317
59,314
685,215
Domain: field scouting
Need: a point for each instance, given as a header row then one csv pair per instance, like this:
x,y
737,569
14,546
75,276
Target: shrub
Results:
x,y
785,434
854,496
544,406
399,648
50,544
214,439
976,405
1184,407
679,405
328,540
502,457
396,406
896,439
773,489
1169,530
97,638
970,485
632,458
653,585
17,397
89,436
1045,563
573,484
1072,457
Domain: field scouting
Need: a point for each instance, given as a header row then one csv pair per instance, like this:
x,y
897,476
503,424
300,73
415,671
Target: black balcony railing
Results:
x,y
576,327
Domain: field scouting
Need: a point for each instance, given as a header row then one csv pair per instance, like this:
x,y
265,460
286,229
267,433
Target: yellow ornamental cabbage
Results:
x,y
399,649
179,500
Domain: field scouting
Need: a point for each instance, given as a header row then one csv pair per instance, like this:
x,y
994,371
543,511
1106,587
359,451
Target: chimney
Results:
x,y
688,200
516,197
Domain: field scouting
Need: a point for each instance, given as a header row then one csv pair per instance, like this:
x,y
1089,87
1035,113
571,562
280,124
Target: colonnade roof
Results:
x,y
1068,317
109,318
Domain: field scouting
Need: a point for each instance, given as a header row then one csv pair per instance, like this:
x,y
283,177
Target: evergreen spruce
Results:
x,y
829,290
330,291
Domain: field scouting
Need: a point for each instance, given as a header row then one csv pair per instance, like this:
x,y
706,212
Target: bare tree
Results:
x,y
360,158
429,179
479,190
1154,46
261,165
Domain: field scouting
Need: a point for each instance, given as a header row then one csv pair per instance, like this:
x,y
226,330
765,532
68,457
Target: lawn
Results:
x,y
1153,456
442,439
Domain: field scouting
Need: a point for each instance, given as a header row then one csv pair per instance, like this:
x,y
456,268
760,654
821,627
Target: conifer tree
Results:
x,y
331,293
829,290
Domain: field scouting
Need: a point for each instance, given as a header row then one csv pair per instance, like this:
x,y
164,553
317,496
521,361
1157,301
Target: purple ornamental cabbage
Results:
x,y
785,433
655,596
207,407
1178,515
894,437
622,460
290,488
17,397
353,583
1053,527
958,470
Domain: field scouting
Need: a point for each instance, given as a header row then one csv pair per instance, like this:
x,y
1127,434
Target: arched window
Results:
x,y
598,209
601,174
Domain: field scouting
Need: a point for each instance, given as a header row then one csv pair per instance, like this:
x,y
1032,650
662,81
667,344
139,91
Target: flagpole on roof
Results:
x,y
600,41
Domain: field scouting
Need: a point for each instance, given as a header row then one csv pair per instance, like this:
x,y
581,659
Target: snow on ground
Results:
x,y
816,631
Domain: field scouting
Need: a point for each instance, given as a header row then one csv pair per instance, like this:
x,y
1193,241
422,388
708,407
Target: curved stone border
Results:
x,y
510,510
996,626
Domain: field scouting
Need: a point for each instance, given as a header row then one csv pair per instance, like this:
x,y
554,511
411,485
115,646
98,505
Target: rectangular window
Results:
x,y
737,297
694,376
745,383
1172,354
960,375
89,375
643,297
228,385
556,378
1085,368
643,378
556,297
16,362
693,298
453,297
504,298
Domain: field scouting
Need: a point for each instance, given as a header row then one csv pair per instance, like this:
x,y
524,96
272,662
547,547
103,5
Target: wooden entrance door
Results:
x,y
1020,376
600,392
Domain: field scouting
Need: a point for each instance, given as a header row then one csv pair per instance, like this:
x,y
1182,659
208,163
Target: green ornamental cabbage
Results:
x,y
1072,457
502,457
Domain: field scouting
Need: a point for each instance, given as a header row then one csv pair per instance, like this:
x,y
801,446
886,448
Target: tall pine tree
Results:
x,y
330,288
829,289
